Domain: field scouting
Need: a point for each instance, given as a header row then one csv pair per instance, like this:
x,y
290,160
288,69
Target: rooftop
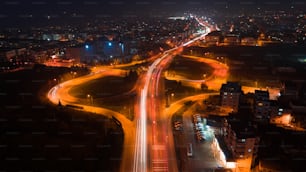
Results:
x,y
233,87
243,129
261,95
215,33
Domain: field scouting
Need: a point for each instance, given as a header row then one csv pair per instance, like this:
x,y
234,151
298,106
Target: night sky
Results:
x,y
30,11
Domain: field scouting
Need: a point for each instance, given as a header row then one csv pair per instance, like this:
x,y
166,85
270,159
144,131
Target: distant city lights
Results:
x,y
302,60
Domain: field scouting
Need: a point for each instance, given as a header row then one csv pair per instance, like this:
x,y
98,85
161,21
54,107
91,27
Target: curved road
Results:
x,y
213,82
135,155
61,93
153,151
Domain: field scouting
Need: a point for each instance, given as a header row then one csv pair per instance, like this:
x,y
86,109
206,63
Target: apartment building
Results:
x,y
230,95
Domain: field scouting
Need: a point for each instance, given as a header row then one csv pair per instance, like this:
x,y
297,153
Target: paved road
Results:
x,y
135,153
61,93
203,158
214,81
154,151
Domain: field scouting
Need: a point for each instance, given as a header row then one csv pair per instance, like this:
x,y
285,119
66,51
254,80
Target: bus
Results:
x,y
189,150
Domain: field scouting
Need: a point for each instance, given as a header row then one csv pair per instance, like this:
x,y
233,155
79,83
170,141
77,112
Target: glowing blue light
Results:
x,y
86,46
109,44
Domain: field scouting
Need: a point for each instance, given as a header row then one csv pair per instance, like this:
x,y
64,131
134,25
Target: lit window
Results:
x,y
242,140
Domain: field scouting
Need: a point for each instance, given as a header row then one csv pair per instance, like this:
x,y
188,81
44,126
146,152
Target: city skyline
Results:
x,y
18,13
147,86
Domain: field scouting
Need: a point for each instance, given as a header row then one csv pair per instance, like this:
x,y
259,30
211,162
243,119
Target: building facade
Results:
x,y
240,138
230,95
261,105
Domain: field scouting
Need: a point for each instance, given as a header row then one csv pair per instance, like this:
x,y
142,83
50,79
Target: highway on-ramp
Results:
x,y
60,93
154,151
150,125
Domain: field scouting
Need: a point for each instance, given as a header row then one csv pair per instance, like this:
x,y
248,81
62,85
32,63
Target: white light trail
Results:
x,y
143,123
140,156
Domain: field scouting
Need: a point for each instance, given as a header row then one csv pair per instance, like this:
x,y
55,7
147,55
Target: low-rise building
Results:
x,y
213,38
248,41
294,89
231,40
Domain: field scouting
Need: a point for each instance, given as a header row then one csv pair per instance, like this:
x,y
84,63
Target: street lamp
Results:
x,y
90,98
172,94
167,98
171,98
204,76
56,80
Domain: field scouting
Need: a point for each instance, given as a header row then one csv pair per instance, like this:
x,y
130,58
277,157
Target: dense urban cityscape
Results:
x,y
173,86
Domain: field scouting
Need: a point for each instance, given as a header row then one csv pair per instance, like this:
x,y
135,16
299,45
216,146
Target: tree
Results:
x,y
136,57
203,86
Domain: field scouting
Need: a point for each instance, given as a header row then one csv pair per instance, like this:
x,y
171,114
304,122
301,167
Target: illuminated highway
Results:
x,y
153,152
145,131
148,142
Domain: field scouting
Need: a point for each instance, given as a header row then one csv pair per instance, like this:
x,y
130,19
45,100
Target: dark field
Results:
x,y
36,136
115,93
189,68
103,87
262,64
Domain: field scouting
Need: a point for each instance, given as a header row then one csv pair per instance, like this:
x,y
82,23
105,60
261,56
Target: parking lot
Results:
x,y
192,129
